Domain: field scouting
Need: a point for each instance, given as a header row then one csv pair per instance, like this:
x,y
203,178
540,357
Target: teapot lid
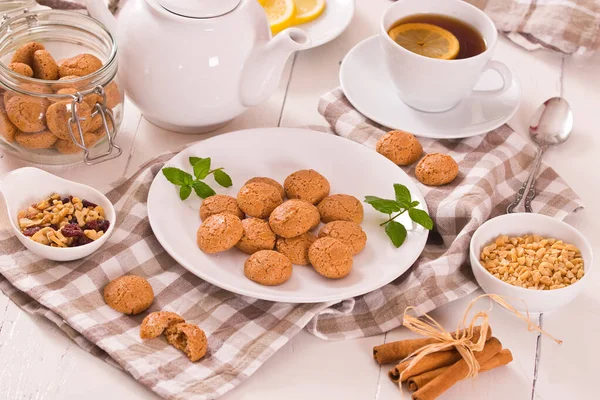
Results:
x,y
199,8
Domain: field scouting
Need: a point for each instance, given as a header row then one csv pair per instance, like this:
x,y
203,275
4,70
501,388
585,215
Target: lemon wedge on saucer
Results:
x,y
427,40
308,10
281,13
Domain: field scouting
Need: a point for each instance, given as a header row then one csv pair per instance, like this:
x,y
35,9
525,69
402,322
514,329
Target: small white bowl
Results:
x,y
25,186
518,224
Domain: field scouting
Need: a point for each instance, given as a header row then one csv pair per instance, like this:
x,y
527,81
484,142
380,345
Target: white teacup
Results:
x,y
433,85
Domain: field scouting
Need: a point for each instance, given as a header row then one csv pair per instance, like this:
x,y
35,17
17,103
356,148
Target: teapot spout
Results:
x,y
262,71
99,11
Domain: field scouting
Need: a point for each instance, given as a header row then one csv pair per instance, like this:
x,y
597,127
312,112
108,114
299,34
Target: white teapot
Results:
x,y
194,65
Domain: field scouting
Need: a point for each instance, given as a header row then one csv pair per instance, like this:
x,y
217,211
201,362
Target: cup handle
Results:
x,y
507,78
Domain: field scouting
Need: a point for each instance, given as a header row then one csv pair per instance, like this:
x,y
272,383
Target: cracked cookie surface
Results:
x,y
268,267
219,232
341,207
349,233
293,218
258,199
308,185
330,257
129,294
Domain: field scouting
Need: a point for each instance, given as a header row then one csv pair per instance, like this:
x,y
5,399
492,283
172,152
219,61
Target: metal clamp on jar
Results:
x,y
77,109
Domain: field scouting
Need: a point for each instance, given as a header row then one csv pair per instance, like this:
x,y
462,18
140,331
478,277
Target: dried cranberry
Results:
x,y
93,224
103,225
30,231
71,230
88,204
54,226
81,240
66,200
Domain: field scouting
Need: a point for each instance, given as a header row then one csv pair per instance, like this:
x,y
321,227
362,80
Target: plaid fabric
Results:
x,y
244,332
569,26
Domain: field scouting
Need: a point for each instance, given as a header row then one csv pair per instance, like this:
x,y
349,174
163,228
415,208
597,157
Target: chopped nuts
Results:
x,y
64,222
533,262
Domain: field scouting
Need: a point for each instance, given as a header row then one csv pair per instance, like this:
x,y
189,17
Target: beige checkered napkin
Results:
x,y
242,332
570,26
492,168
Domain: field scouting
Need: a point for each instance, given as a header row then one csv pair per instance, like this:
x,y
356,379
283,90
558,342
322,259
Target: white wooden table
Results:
x,y
37,361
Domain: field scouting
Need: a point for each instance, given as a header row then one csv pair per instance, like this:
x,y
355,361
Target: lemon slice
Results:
x,y
308,10
281,13
427,40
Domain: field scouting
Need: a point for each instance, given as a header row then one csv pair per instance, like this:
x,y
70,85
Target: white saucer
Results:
x,y
329,25
366,84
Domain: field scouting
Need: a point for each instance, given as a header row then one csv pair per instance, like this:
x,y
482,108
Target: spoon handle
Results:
x,y
521,193
536,167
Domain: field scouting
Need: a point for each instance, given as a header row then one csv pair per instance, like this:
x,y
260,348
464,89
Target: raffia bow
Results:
x,y
462,338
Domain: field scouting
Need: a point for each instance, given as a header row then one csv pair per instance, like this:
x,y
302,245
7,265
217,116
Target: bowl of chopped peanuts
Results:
x,y
56,218
538,262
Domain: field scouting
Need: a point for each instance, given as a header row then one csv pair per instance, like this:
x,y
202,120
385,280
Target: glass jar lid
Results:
x,y
199,8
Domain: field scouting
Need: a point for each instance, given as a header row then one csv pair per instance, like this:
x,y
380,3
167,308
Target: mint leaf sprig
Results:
x,y
187,182
395,208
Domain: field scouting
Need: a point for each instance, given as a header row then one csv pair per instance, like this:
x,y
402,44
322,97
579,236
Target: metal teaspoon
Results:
x,y
551,125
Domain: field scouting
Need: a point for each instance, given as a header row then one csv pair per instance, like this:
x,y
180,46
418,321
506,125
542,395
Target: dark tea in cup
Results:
x,y
438,36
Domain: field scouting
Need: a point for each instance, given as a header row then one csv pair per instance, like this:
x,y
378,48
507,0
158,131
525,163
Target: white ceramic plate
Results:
x,y
276,152
367,85
335,19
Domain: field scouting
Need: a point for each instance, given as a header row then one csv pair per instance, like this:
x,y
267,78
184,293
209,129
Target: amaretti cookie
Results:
x,y
349,233
80,65
44,66
436,169
220,204
27,113
402,148
269,181
257,236
24,54
293,218
67,146
36,140
157,322
341,207
188,338
258,199
7,128
219,232
21,69
268,267
330,257
58,115
129,294
307,185
296,248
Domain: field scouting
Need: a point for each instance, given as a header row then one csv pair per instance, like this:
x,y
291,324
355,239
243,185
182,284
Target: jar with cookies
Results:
x,y
60,100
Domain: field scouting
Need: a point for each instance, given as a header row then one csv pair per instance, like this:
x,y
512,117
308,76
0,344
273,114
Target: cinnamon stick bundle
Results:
x,y
427,363
456,372
431,361
396,351
416,382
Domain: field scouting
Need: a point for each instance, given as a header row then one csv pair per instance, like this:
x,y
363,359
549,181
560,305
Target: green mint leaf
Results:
x,y
383,205
421,218
202,189
184,192
402,195
194,160
414,204
202,168
177,176
222,178
396,232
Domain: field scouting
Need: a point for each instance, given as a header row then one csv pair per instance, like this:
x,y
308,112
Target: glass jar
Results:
x,y
75,113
